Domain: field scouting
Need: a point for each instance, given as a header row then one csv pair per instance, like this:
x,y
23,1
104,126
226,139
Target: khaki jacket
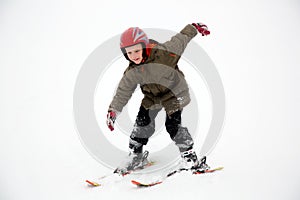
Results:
x,y
161,82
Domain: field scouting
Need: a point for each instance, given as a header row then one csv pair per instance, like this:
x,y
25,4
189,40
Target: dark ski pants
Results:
x,y
144,128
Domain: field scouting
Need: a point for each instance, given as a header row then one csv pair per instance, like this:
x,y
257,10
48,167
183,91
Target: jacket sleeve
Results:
x,y
126,87
178,42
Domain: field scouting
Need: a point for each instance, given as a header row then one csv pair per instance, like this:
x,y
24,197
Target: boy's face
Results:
x,y
135,53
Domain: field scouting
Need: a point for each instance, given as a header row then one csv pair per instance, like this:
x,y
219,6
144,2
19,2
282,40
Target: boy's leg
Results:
x,y
183,139
180,135
144,128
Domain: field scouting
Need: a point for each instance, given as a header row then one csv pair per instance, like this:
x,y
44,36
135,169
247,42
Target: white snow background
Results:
x,y
255,46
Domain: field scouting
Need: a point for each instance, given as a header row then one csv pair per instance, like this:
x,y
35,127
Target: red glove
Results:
x,y
111,118
202,28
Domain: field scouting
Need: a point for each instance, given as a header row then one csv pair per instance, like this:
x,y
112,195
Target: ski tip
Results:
x,y
214,169
91,183
139,184
135,182
144,185
151,163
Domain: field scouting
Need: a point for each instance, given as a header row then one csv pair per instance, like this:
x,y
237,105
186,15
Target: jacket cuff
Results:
x,y
114,110
189,30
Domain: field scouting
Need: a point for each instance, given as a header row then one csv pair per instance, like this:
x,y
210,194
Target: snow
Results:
x,y
254,46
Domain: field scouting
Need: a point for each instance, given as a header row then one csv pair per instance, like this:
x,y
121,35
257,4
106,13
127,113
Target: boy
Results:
x,y
153,66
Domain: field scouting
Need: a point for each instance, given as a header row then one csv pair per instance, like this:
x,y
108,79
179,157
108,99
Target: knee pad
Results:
x,y
183,139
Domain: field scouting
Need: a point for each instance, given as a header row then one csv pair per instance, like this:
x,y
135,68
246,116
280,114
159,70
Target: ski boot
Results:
x,y
202,166
191,161
132,162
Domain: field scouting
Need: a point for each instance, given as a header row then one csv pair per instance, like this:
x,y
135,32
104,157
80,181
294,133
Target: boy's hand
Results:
x,y
202,28
111,118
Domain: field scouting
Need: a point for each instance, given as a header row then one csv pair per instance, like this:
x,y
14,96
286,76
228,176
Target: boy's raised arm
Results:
x,y
178,42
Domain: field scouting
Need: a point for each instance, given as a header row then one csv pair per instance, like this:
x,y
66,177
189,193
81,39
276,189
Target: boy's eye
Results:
x,y
137,51
129,52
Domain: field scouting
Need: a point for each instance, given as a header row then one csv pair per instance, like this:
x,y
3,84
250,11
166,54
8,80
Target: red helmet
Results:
x,y
133,36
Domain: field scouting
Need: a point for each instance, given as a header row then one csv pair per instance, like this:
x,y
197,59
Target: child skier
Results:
x,y
153,66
